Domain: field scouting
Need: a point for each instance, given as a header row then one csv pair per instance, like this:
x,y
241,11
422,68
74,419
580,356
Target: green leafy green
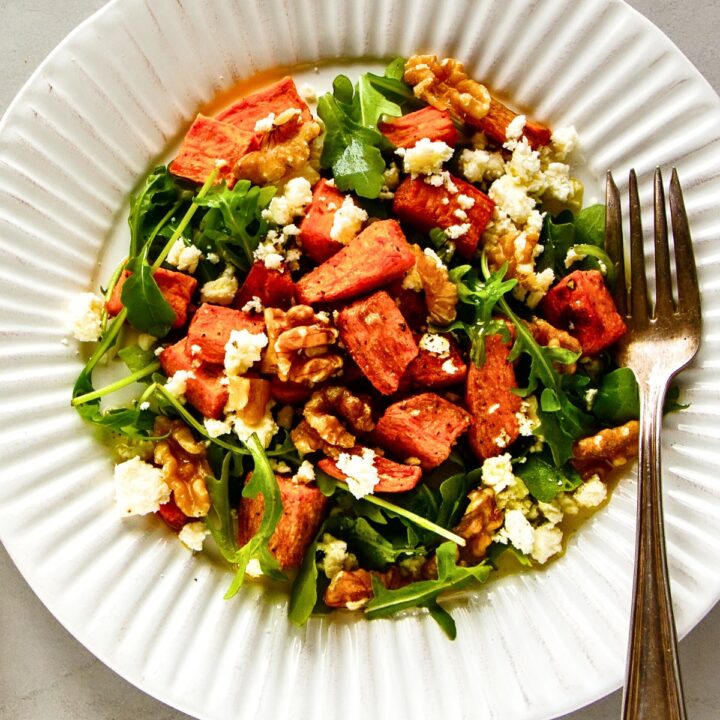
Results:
x,y
544,480
617,399
135,357
424,593
147,308
219,519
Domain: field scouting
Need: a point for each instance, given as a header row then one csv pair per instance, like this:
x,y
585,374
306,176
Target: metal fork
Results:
x,y
661,340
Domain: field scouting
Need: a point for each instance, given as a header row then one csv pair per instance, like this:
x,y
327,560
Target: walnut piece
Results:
x,y
285,152
478,525
444,84
352,589
547,334
184,466
609,448
248,398
299,344
441,293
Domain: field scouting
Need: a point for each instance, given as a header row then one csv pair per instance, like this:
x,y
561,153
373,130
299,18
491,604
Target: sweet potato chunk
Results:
x,y
177,288
204,390
304,507
421,205
376,257
280,96
430,371
429,122
379,340
288,392
172,515
211,327
491,402
495,123
581,304
424,426
274,288
207,142
394,477
318,221
412,305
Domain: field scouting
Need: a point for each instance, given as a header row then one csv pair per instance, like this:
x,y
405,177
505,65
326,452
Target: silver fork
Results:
x,y
660,342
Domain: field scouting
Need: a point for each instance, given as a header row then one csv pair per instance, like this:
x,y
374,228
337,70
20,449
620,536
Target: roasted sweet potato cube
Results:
x,y
204,390
207,143
376,257
211,327
429,122
274,288
177,288
432,371
276,98
172,515
378,339
393,477
495,123
424,426
581,304
423,206
289,393
491,402
303,509
412,305
318,221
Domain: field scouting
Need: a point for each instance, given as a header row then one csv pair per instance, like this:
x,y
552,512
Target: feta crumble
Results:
x,y
517,531
429,252
265,429
497,472
305,473
265,124
139,487
547,541
335,556
435,344
426,157
242,350
591,493
457,231
564,141
220,291
480,165
253,305
360,471
270,251
449,367
176,384
308,93
193,534
184,257
347,221
515,128
86,313
292,203
216,428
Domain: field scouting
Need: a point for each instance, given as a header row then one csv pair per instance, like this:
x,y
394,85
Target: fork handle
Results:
x,y
653,688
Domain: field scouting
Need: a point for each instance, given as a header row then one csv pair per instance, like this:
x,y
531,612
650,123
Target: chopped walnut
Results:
x,y
478,525
441,293
248,398
324,429
299,344
352,589
612,447
285,152
549,335
444,84
184,466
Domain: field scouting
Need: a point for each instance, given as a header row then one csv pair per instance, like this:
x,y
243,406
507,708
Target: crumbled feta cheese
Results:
x,y
184,257
559,182
360,471
590,396
525,166
449,367
564,141
270,251
145,405
213,258
512,197
480,165
305,473
591,493
292,203
429,252
139,487
176,384
460,214
322,316
308,93
518,531
193,534
280,466
465,202
515,128
503,439
497,472
347,221
265,429
552,511
253,568
242,350
435,344
426,157
527,418
216,428
220,291
533,226
86,313
253,305
335,556
547,541
265,124
456,231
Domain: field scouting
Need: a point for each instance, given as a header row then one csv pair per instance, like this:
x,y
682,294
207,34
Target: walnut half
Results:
x,y
612,447
478,525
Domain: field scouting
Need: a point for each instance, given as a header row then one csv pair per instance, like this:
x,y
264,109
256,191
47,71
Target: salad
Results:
x,y
368,340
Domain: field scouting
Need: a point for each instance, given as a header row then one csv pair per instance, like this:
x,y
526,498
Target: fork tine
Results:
x,y
639,308
614,242
688,292
663,279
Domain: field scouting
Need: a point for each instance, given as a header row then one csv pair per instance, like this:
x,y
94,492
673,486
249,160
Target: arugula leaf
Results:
x,y
452,491
590,226
617,399
425,592
544,480
304,594
352,144
391,85
147,308
219,519
135,357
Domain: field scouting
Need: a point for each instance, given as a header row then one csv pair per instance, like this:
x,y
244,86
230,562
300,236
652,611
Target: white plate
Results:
x,y
98,113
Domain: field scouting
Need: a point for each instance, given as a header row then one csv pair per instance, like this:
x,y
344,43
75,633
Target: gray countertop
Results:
x,y
47,675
